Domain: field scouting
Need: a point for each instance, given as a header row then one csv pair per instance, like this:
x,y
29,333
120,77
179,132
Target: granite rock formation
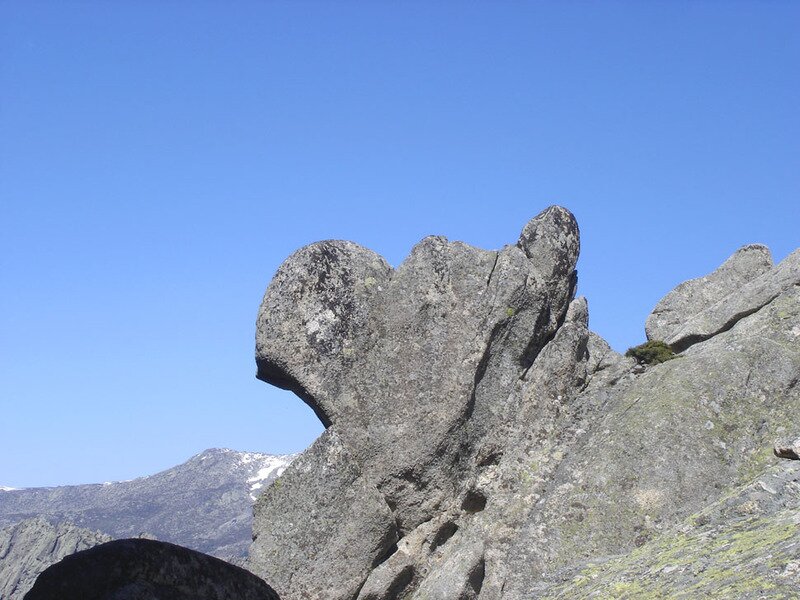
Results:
x,y
482,442
741,286
694,296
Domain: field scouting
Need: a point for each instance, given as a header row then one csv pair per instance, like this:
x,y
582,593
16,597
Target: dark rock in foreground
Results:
x,y
140,569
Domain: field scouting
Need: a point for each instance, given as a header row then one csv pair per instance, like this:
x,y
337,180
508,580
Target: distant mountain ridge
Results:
x,y
204,504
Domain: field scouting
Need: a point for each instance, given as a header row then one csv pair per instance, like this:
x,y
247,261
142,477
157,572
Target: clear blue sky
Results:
x,y
158,161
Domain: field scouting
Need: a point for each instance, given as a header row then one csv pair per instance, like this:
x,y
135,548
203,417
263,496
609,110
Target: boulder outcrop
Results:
x,y
483,442
140,569
701,308
694,296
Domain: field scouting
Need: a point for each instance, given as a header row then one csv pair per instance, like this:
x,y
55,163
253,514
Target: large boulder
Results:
x,y
692,297
740,287
313,319
484,443
427,359
140,569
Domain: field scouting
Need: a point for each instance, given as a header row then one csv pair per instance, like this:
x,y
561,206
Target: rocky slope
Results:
x,y
482,442
29,547
204,503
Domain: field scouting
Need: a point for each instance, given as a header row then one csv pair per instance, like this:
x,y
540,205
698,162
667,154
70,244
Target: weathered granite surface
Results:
x,y
745,295
482,442
694,296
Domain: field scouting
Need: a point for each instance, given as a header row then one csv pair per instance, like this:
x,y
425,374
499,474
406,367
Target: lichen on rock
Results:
x,y
487,443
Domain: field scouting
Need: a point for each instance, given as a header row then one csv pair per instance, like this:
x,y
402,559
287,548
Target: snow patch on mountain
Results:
x,y
204,503
269,469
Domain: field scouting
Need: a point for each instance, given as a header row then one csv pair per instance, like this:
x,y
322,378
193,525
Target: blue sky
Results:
x,y
158,161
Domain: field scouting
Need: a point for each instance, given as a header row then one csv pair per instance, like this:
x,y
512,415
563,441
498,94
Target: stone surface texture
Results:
x,y
140,569
692,297
482,442
328,486
749,296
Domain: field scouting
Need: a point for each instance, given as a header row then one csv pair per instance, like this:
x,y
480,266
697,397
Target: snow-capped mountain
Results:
x,y
204,503
269,469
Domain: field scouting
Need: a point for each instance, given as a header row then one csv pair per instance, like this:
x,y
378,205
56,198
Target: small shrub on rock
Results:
x,y
651,353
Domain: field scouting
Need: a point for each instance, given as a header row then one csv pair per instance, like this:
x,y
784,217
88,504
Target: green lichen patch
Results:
x,y
746,559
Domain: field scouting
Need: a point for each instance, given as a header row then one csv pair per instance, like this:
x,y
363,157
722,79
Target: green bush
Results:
x,y
651,353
